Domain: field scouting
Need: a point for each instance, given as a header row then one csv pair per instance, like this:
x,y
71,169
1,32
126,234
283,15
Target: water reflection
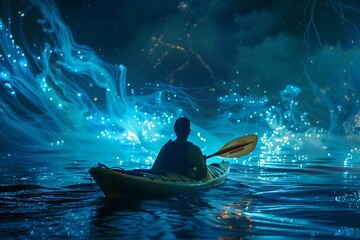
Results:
x,y
176,217
234,217
36,212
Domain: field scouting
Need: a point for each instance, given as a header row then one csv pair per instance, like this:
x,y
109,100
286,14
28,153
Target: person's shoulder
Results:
x,y
166,144
193,146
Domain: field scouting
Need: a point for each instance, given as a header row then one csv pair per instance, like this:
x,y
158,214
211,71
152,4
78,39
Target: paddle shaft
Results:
x,y
229,149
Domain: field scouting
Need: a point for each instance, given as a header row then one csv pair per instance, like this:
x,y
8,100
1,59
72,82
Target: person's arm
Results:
x,y
198,161
159,160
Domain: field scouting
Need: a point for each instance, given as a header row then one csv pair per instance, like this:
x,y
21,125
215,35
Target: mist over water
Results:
x,y
64,107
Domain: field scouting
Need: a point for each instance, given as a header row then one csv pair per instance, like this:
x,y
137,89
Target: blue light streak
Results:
x,y
58,93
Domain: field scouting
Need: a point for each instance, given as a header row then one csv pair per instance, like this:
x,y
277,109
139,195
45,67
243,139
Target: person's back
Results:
x,y
177,153
180,155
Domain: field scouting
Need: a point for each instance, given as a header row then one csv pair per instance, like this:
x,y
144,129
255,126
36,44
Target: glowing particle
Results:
x,y
5,75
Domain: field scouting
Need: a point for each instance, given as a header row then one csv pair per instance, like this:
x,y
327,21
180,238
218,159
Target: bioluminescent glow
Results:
x,y
58,95
58,91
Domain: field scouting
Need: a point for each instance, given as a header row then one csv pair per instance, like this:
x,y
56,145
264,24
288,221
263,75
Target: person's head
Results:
x,y
182,127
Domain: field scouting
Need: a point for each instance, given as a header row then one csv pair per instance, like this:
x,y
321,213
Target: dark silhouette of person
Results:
x,y
180,155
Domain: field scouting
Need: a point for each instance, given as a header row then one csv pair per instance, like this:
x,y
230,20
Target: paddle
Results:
x,y
236,148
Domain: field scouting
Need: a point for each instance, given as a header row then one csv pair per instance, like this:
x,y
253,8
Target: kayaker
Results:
x,y
181,155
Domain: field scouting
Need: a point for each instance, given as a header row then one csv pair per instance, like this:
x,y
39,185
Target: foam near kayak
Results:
x,y
117,183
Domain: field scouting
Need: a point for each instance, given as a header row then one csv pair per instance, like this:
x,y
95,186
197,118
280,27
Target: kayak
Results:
x,y
119,183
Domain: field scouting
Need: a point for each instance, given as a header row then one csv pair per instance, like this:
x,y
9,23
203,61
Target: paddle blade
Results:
x,y
238,147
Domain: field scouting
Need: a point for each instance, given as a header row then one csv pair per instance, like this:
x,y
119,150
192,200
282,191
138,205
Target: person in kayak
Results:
x,y
181,155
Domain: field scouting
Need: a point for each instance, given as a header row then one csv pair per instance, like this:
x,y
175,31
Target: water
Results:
x,y
265,197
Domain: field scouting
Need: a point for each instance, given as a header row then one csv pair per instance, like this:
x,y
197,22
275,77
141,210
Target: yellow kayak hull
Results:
x,y
118,183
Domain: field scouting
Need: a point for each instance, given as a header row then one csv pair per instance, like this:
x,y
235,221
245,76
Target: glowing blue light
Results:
x,y
69,93
5,74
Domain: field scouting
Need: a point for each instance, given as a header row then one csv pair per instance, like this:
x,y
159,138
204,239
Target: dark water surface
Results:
x,y
272,197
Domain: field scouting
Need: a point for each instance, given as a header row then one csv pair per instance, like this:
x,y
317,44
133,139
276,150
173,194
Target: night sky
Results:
x,y
211,48
229,36
226,40
254,47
